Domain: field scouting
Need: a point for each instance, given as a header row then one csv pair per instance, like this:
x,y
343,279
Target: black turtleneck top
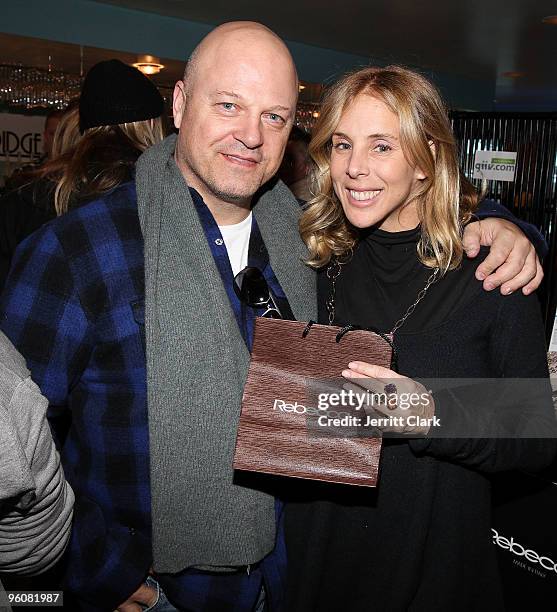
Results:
x,y
383,278
421,540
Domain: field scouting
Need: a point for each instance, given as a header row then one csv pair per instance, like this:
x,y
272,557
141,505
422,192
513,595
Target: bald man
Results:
x,y
159,515
161,519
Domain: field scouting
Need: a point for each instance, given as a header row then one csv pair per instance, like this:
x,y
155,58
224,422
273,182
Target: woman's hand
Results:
x,y
409,403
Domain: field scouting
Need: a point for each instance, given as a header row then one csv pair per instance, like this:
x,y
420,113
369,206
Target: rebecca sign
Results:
x,y
21,137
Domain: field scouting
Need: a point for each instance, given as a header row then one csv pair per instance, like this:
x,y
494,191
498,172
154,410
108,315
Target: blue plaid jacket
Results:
x,y
74,307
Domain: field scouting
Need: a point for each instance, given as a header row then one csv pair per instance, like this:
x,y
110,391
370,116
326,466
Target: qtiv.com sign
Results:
x,y
523,554
495,165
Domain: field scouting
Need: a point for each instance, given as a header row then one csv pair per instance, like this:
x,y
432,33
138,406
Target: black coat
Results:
x,y
22,212
421,541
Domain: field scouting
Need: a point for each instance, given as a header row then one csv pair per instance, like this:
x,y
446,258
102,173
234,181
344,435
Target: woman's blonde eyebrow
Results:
x,y
392,136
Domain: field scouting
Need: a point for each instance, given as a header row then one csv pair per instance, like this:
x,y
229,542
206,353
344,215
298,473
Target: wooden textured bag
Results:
x,y
273,434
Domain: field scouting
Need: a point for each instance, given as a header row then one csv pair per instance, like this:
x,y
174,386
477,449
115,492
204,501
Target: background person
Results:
x,y
120,115
295,165
26,208
95,149
35,500
387,186
51,124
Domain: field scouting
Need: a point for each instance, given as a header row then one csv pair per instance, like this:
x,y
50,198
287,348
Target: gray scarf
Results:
x,y
197,363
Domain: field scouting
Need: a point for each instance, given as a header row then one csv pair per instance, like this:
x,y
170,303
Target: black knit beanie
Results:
x,y
114,93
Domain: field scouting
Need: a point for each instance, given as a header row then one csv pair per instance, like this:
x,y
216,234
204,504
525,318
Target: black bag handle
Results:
x,y
347,328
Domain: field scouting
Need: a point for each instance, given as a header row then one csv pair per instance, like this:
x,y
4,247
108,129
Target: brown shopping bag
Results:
x,y
278,431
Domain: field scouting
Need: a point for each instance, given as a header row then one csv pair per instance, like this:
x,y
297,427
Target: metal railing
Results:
x,y
533,194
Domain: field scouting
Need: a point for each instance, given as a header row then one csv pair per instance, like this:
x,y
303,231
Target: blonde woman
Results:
x,y
118,116
386,228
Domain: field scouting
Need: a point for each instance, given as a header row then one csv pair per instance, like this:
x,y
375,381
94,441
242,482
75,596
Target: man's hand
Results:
x,y
145,595
512,262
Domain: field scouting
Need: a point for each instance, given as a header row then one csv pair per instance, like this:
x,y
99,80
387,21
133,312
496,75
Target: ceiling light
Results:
x,y
148,64
301,87
550,19
315,114
513,74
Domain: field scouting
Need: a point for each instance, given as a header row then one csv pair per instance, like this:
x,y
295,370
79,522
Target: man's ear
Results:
x,y
178,103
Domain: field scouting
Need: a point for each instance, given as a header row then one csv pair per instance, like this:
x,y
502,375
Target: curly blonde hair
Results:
x,y
445,199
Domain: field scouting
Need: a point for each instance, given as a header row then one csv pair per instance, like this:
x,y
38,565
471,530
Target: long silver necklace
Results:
x,y
333,272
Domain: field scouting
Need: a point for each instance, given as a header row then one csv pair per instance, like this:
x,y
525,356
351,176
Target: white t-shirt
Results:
x,y
236,240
